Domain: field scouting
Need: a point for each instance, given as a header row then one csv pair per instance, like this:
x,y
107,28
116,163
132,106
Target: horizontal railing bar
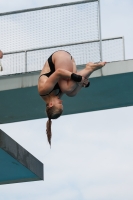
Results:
x,y
63,45
47,7
114,38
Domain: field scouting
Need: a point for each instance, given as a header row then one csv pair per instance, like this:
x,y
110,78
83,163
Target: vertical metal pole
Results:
x,y
25,61
100,34
123,48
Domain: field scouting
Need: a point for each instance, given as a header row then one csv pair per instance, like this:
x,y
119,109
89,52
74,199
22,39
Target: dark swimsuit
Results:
x,y
52,68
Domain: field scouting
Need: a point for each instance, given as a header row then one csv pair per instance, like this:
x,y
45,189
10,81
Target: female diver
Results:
x,y
59,76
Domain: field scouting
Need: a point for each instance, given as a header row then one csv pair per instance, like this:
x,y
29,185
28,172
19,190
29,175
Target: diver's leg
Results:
x,y
86,72
90,68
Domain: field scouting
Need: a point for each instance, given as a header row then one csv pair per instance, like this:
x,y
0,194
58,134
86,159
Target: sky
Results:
x,y
91,154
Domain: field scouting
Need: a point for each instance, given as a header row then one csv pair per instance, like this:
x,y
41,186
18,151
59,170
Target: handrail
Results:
x,y
47,7
62,45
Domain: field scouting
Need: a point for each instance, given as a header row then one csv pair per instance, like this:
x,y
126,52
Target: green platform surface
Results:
x,y
16,163
105,92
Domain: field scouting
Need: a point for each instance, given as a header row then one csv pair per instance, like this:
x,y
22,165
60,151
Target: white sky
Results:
x,y
91,154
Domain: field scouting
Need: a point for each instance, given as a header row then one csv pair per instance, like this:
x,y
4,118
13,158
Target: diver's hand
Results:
x,y
84,82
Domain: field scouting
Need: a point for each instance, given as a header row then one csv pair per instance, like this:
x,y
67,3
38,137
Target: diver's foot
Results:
x,y
95,66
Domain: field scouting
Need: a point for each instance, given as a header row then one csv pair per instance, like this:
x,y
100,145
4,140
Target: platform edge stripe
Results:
x,y
19,181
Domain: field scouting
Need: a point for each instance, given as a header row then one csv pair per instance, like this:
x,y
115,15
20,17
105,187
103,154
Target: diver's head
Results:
x,y
54,108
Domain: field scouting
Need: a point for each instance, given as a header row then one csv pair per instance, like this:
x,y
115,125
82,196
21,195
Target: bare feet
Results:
x,y
95,66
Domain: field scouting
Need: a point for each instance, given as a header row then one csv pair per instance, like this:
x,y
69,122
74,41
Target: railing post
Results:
x,y
123,48
25,61
100,34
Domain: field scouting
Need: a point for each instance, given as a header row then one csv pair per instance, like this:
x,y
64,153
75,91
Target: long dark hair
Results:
x,y
52,113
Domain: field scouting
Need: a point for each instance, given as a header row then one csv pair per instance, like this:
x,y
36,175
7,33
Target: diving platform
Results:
x,y
111,87
16,163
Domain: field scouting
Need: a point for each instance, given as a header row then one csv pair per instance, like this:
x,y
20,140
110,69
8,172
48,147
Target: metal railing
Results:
x,y
83,52
52,28
50,25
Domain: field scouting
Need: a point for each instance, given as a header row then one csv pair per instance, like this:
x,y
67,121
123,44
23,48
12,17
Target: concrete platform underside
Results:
x,y
16,163
111,88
